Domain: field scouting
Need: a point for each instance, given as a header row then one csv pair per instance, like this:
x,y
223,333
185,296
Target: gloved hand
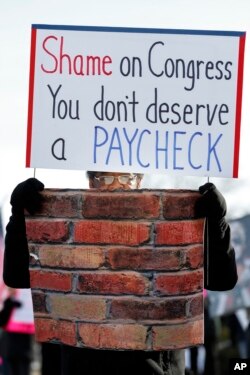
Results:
x,y
26,195
212,204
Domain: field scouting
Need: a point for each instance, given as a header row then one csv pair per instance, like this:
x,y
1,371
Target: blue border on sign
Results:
x,y
139,30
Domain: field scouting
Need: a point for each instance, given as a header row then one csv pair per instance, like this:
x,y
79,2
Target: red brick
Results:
x,y
47,231
145,258
178,336
179,204
194,256
73,307
61,203
71,256
59,281
149,309
113,283
179,283
125,205
111,232
179,232
196,305
114,336
48,330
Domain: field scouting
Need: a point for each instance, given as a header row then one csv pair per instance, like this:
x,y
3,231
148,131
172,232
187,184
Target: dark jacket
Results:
x,y
220,272
16,253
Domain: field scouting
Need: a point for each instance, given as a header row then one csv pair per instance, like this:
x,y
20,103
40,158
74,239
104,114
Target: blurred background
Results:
x,y
228,314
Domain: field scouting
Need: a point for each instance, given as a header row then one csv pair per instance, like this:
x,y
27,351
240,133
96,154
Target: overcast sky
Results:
x,y
16,17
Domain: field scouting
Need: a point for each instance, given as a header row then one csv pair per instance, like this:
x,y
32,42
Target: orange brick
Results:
x,y
68,306
88,257
178,336
113,336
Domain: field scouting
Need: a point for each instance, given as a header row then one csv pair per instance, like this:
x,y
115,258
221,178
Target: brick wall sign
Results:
x,y
135,100
120,270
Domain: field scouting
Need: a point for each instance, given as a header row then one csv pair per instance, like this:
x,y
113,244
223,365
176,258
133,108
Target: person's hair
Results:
x,y
92,174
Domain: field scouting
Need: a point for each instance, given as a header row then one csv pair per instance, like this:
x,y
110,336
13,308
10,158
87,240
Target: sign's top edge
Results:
x,y
139,30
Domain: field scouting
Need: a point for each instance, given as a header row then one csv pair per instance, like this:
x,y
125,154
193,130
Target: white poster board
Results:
x,y
135,100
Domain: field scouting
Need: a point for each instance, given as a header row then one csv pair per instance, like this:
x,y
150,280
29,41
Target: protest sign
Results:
x,y
130,99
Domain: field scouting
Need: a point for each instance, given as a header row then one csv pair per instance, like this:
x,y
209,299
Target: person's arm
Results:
x,y
220,272
16,254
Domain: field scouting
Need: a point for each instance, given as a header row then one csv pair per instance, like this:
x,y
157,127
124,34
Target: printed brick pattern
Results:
x,y
113,283
114,336
46,279
116,270
60,256
61,204
179,283
48,330
177,204
179,232
178,335
47,231
136,206
111,232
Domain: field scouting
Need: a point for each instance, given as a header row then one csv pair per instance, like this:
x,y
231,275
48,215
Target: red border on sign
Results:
x,y
31,96
238,106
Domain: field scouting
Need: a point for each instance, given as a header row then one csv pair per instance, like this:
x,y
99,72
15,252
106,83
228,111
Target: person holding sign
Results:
x,y
219,255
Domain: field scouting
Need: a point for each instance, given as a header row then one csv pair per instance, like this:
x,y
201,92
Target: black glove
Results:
x,y
26,195
212,204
